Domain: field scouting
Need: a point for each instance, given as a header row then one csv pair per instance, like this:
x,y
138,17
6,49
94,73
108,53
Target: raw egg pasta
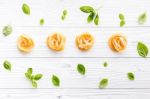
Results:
x,y
56,42
84,41
117,42
25,43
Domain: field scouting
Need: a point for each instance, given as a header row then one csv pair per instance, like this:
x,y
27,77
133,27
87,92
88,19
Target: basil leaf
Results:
x,y
122,23
87,9
63,17
65,12
121,16
103,83
81,69
96,20
7,65
142,49
55,80
34,84
130,76
26,9
142,18
7,30
29,71
41,21
90,17
105,64
38,76
28,75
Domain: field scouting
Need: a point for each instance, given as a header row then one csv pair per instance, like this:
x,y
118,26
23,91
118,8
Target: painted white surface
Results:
x,y
74,86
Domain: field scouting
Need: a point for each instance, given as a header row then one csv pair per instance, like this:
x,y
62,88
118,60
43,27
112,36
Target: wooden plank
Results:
x,y
51,11
74,94
65,69
100,48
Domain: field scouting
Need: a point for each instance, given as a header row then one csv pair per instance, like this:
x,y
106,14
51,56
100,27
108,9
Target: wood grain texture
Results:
x,y
70,78
14,85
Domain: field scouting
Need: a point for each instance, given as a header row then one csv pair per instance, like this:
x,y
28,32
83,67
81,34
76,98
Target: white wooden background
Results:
x,y
13,85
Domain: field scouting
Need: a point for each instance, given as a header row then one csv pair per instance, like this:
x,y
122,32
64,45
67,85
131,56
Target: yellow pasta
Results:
x,y
117,42
84,41
56,42
25,43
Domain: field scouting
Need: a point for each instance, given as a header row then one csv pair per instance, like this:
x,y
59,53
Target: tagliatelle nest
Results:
x,y
84,41
56,42
117,42
25,43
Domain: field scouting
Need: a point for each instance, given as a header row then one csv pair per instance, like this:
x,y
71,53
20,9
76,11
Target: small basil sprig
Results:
x,y
55,80
103,83
105,64
142,49
42,21
93,14
7,30
81,69
142,18
64,14
122,20
7,65
26,9
130,76
33,78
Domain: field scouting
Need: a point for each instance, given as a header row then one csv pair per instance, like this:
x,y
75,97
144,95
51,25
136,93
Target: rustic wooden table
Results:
x,y
13,85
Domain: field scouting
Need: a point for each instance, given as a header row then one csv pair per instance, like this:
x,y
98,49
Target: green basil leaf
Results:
x,y
96,20
142,49
103,83
142,18
26,9
29,71
42,21
28,75
130,76
65,12
87,9
34,84
38,76
105,64
121,16
63,17
7,30
55,80
81,69
90,17
7,65
122,23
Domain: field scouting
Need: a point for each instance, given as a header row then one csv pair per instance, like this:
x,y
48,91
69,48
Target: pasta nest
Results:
x,y
56,41
117,42
84,41
25,43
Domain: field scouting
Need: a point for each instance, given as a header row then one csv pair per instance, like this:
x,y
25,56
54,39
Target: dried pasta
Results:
x,y
56,42
25,43
117,42
84,41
